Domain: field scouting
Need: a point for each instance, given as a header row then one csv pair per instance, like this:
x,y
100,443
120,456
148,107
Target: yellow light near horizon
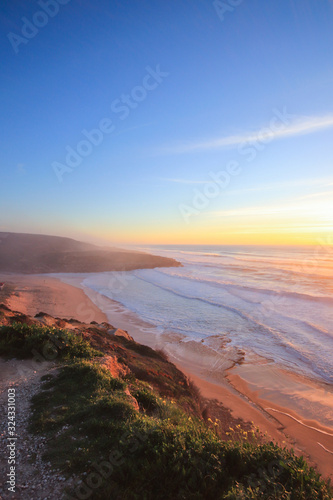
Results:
x,y
290,236
306,223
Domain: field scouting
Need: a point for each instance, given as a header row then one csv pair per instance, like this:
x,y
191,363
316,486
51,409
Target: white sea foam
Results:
x,y
276,302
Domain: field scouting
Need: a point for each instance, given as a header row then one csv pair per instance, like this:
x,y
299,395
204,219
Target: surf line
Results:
x,y
328,451
300,422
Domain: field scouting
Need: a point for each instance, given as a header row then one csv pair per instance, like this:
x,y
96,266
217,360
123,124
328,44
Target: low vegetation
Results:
x,y
142,436
24,341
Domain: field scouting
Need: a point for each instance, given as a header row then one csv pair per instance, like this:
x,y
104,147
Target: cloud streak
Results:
x,y
324,181
317,205
296,126
182,181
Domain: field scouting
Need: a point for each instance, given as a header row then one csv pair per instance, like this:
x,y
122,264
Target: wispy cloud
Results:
x,y
323,181
296,126
182,181
311,182
295,227
318,205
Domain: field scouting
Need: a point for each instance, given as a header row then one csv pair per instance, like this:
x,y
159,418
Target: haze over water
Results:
x,y
275,302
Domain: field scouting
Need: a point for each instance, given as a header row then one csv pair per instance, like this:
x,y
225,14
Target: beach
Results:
x,y
252,391
31,294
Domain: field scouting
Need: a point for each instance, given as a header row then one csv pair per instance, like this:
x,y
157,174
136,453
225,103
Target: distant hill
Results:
x,y
35,253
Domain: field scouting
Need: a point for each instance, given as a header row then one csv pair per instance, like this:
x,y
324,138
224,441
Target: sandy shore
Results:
x,y
31,294
251,391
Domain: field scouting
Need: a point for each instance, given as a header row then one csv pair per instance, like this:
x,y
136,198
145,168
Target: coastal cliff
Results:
x,y
111,418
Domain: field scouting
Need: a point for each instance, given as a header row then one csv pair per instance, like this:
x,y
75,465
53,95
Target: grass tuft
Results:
x,y
44,343
159,451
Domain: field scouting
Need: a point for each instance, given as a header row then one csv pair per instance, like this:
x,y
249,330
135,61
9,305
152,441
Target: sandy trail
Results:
x,y
32,482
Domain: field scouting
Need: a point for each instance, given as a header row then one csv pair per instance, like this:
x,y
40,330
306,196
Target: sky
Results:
x,y
178,122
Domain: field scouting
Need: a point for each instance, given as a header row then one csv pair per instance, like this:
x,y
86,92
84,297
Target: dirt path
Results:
x,y
34,478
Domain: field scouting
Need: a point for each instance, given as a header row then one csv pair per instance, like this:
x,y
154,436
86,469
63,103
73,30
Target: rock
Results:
x,y
115,368
132,399
121,333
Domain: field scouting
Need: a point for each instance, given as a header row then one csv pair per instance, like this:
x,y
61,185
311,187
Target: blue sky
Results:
x,y
201,90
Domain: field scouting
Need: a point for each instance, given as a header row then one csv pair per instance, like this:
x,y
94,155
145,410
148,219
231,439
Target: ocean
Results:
x,y
271,303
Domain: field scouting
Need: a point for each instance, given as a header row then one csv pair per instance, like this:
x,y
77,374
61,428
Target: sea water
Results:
x,y
274,302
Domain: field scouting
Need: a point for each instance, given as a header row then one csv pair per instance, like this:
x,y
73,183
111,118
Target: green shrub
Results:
x,y
44,343
162,453
146,399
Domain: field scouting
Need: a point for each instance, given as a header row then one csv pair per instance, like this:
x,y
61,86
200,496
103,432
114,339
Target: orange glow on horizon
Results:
x,y
209,236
